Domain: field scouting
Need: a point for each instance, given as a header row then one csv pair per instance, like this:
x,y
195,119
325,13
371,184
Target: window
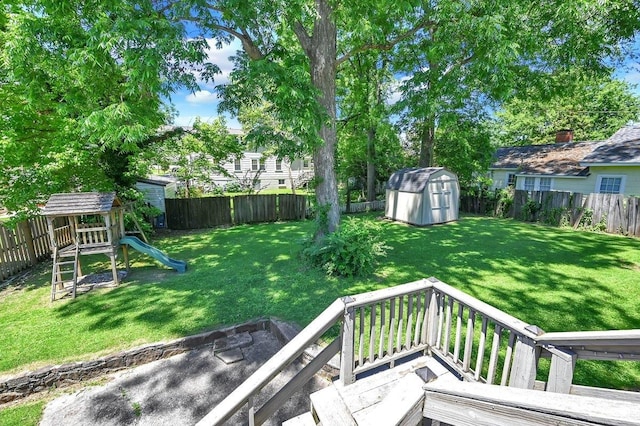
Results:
x,y
529,183
254,165
511,179
545,184
262,166
281,183
610,184
278,165
236,165
305,163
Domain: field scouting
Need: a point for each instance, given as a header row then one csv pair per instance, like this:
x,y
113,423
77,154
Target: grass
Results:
x,y
22,415
559,279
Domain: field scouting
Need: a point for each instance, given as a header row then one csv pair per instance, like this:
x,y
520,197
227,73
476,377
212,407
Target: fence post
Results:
x,y
347,351
25,230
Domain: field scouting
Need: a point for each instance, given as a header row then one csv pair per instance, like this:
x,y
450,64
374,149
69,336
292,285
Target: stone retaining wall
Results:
x,y
25,384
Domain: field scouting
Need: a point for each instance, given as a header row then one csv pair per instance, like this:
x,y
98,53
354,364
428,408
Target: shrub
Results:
x,y
352,250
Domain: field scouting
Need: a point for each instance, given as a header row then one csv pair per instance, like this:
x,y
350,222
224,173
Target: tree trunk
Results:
x,y
371,165
320,47
427,140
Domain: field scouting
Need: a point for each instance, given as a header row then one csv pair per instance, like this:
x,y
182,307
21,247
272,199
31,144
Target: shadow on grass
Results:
x,y
559,279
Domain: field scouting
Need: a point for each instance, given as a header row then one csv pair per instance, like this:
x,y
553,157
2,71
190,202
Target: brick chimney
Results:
x,y
564,135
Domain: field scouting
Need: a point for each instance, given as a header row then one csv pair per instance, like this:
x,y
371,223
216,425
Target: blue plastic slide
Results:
x,y
145,248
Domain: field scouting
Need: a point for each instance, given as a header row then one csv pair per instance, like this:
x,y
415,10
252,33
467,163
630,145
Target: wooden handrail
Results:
x,y
273,366
387,293
591,338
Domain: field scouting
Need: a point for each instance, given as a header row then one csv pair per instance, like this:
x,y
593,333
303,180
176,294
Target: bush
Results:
x,y
353,250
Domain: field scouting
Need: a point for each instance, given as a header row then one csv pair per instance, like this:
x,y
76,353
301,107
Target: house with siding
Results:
x,y
269,172
611,166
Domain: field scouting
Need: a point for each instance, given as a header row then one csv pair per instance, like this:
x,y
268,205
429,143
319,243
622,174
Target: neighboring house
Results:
x,y
270,172
611,166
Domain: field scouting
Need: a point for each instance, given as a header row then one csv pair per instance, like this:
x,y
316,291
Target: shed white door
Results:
x,y
440,195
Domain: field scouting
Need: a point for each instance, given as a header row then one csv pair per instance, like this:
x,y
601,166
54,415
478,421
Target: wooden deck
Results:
x,y
483,371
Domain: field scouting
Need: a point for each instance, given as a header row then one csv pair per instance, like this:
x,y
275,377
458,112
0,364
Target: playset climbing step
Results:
x,y
64,276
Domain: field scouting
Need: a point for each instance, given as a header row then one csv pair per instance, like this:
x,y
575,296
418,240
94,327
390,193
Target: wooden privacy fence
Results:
x,y
209,212
613,213
23,247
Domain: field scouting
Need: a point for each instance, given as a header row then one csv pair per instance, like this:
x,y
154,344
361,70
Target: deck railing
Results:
x,y
479,342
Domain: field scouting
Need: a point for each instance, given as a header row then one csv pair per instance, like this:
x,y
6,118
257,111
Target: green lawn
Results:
x,y
559,279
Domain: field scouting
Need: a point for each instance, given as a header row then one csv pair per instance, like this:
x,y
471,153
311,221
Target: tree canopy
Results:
x,y
594,107
82,77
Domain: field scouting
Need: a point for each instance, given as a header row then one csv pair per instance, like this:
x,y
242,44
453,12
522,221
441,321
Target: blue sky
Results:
x,y
204,103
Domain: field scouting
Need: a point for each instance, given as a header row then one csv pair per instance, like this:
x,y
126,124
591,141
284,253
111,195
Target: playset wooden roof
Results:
x,y
81,203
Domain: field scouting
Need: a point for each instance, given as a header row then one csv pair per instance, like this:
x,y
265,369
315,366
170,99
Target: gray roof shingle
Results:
x,y
412,179
552,159
623,148
79,203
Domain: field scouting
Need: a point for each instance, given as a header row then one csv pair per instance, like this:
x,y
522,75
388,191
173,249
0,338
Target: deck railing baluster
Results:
x,y
383,324
481,345
372,332
440,319
407,339
392,325
456,348
447,329
506,368
468,342
361,337
401,320
493,358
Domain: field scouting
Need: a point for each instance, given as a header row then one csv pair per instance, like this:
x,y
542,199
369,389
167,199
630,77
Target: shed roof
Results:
x,y
413,179
621,148
561,159
78,203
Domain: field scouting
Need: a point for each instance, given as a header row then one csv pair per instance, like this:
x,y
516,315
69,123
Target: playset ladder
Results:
x,y
63,267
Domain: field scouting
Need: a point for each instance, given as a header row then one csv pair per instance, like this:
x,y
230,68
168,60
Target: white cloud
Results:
x,y
220,57
202,97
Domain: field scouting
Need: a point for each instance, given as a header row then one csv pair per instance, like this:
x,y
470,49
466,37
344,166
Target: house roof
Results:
x,y
79,203
157,180
621,148
413,179
553,159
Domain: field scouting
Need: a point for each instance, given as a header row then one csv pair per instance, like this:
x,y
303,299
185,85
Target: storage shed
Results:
x,y
423,196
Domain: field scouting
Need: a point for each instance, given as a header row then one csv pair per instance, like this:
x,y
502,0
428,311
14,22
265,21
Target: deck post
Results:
x,y
563,362
347,351
525,363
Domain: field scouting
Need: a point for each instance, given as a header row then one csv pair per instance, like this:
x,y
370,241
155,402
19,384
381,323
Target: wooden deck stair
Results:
x,y
391,397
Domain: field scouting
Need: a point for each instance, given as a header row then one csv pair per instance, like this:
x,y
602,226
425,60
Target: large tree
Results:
x,y
281,40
